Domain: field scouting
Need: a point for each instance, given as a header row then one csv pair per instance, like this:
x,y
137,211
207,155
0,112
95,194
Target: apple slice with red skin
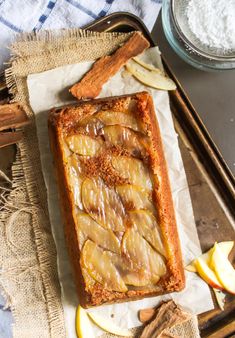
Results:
x,y
207,274
224,270
226,247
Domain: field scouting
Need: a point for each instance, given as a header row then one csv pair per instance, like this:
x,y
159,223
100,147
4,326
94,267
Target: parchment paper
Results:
x,y
50,89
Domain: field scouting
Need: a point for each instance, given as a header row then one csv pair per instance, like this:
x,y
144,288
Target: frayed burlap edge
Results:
x,y
28,275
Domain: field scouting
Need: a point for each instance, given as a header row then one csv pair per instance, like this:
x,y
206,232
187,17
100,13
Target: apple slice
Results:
x,y
207,274
132,169
83,324
99,265
103,204
108,325
102,237
75,182
150,78
191,267
83,144
92,125
223,269
226,247
152,58
220,297
142,256
147,65
125,138
130,276
139,278
134,198
146,224
123,119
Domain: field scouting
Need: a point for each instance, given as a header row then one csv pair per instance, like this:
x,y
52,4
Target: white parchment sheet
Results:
x,y
50,89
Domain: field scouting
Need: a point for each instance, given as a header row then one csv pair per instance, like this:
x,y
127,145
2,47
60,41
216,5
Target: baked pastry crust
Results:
x,y
65,121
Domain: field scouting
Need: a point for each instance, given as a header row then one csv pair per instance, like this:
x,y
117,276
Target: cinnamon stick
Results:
x,y
166,316
12,116
146,314
91,84
7,138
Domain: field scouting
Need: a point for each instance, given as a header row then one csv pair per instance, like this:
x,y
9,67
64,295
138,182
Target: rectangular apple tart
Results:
x,y
116,200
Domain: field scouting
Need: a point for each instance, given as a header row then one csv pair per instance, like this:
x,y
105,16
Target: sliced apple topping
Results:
x,y
75,181
103,204
150,78
142,255
92,125
130,276
67,152
124,137
223,269
133,197
132,169
86,119
83,144
99,235
101,268
146,224
139,278
112,118
226,247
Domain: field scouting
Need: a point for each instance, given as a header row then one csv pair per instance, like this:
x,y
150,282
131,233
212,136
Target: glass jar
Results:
x,y
178,34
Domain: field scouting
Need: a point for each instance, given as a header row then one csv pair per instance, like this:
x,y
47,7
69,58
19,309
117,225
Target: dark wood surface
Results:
x,y
212,225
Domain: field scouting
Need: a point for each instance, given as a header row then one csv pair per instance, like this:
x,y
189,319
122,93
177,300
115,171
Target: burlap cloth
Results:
x,y
28,275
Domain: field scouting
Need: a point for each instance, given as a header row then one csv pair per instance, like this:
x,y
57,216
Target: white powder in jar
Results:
x,y
213,22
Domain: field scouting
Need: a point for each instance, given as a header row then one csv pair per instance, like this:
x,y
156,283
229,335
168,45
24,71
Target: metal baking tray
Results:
x,y
211,183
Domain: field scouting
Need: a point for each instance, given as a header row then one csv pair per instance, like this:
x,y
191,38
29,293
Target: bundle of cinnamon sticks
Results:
x,y
12,116
159,321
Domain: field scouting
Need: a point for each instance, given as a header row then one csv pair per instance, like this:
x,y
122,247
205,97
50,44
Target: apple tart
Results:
x,y
116,200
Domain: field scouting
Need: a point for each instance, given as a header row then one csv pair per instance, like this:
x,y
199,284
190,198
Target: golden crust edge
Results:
x,y
169,226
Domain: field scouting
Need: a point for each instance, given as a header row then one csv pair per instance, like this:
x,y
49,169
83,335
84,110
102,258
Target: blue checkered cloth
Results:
x,y
18,16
